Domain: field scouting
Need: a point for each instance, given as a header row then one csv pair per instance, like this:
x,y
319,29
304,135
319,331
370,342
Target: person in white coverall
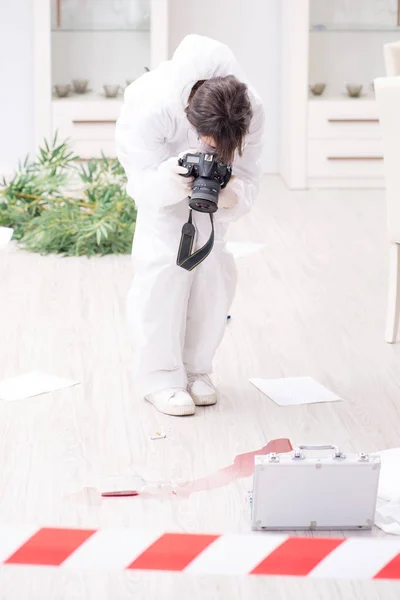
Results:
x,y
178,317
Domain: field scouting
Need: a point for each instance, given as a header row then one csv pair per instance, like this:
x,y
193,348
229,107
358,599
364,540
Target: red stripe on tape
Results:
x,y
296,556
172,552
391,571
50,546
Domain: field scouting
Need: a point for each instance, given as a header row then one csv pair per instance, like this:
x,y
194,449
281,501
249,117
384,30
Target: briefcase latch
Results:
x,y
273,457
298,454
363,457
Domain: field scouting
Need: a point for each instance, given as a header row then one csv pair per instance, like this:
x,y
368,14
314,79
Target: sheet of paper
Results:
x,y
6,234
31,384
241,249
387,516
295,390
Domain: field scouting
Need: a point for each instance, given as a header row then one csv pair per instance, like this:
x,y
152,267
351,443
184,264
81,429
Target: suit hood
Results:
x,y
198,58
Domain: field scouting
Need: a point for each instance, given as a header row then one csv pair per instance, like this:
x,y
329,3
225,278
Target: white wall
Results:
x,y
16,82
252,30
294,92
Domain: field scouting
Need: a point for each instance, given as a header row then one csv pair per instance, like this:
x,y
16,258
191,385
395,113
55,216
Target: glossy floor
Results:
x,y
312,302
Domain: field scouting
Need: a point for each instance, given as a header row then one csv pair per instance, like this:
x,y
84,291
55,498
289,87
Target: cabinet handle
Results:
x,y
93,122
355,157
58,10
353,120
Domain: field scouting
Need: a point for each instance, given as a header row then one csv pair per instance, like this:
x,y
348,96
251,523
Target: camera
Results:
x,y
210,176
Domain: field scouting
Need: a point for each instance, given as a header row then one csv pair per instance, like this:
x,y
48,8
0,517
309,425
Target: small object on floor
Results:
x,y
159,435
228,317
241,249
295,390
6,234
120,494
32,384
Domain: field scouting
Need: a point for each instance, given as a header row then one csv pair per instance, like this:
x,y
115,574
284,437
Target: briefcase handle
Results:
x,y
299,454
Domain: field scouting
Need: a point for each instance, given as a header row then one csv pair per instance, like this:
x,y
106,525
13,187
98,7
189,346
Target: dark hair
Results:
x,y
220,107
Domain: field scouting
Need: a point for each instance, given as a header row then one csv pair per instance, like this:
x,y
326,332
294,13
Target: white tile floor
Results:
x,y
311,303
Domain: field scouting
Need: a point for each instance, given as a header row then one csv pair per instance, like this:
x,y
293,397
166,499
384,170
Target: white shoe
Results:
x,y
202,389
175,402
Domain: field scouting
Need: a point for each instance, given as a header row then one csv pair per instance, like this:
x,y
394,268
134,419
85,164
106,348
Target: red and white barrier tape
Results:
x,y
232,554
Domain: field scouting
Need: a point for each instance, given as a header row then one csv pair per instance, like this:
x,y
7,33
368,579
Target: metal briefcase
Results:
x,y
299,492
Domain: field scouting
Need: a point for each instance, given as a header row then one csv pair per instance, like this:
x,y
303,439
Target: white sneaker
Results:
x,y
175,402
202,389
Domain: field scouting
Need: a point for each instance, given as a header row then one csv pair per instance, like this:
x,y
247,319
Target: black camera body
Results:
x,y
210,176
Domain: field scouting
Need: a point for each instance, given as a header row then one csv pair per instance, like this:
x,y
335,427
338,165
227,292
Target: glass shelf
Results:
x,y
100,15
100,29
327,28
355,15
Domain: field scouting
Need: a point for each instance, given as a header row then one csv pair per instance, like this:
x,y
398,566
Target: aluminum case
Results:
x,y
325,491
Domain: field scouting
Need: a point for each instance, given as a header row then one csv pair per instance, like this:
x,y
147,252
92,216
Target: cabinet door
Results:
x,y
345,120
345,159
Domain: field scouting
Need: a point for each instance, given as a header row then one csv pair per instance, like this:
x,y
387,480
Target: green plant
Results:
x,y
56,205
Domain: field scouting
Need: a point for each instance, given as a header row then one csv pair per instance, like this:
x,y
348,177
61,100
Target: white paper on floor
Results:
x,y
295,390
31,384
240,249
6,234
387,515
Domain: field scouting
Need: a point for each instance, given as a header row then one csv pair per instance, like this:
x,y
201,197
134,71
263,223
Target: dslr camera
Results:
x,y
210,177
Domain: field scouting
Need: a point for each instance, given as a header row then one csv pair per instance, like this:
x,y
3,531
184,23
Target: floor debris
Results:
x,y
159,435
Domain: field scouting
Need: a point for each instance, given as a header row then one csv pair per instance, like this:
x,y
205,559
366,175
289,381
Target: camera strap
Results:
x,y
185,258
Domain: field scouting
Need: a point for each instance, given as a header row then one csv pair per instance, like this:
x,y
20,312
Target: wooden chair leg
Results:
x,y
393,311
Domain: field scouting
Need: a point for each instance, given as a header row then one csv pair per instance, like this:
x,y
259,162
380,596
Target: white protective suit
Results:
x,y
178,317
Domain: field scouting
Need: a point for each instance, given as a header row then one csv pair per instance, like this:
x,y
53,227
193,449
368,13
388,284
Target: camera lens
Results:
x,y
204,196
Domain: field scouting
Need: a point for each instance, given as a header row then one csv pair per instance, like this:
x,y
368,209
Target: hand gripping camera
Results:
x,y
210,176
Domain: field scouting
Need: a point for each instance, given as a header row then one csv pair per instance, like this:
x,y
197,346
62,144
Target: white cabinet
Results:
x,y
89,125
107,42
333,140
335,163
344,147
343,119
